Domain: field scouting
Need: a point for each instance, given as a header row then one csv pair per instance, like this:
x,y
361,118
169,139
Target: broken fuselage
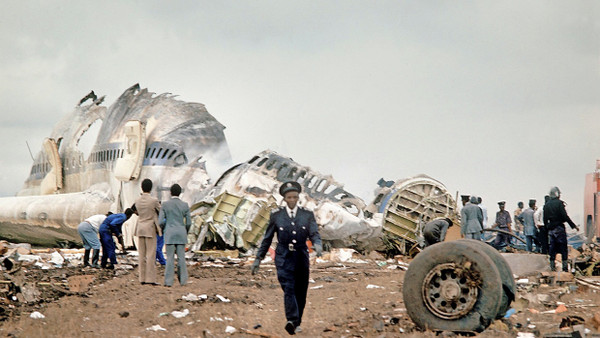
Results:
x,y
142,135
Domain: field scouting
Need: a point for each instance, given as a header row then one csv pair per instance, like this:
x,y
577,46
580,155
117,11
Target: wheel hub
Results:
x,y
448,293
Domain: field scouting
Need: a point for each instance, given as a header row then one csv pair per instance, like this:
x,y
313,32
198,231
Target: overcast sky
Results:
x,y
498,99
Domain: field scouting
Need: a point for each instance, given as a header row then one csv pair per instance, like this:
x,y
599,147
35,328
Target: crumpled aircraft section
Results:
x,y
141,135
407,205
236,209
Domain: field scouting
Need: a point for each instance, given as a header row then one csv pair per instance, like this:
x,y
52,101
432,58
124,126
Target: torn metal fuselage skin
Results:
x,y
142,135
406,205
236,208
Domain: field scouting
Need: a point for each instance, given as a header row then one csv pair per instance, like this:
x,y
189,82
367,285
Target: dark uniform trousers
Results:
x,y
291,256
558,243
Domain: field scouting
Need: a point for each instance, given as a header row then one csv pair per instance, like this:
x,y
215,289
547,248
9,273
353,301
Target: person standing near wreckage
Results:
x,y
503,223
175,219
471,220
112,226
555,216
147,230
293,225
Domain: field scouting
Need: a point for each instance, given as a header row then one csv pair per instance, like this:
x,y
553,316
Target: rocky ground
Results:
x,y
361,297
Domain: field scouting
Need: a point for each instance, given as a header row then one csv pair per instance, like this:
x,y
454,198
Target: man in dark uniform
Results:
x,y
503,223
555,215
293,226
435,231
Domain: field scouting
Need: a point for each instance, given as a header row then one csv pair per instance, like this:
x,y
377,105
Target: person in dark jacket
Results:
x,y
112,226
555,215
293,225
435,231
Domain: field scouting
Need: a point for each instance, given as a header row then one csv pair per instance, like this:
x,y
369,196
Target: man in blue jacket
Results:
x,y
293,225
112,226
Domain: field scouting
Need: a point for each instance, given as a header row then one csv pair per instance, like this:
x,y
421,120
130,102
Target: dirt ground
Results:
x,y
345,300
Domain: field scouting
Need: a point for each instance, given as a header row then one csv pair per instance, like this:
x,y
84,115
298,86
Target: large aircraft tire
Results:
x,y
452,286
508,282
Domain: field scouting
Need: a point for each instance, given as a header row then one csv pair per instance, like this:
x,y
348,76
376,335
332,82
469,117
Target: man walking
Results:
x,y
502,223
555,216
471,220
293,225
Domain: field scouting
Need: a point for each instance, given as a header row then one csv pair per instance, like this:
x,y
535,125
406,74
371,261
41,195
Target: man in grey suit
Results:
x,y
471,220
175,218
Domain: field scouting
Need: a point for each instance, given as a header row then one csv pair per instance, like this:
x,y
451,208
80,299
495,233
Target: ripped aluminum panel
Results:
x,y
407,205
338,213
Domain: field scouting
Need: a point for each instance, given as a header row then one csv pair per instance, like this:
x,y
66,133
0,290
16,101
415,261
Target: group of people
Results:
x,y
157,225
544,227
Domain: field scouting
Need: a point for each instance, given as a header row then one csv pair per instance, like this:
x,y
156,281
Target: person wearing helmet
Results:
x,y
293,225
555,215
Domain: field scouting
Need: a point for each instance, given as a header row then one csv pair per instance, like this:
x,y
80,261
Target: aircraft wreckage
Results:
x,y
144,135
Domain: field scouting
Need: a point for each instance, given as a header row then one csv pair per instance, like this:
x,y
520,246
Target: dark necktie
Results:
x,y
292,214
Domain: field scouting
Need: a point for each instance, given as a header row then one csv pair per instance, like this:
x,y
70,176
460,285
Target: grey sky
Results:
x,y
498,99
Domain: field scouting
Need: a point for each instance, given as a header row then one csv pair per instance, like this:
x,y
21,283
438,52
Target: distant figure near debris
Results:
x,y
471,220
503,223
529,228
483,208
435,231
88,231
542,228
112,226
175,218
293,225
146,230
555,216
518,225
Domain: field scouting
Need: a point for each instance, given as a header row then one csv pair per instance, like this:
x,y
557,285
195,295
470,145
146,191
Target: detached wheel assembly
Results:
x,y
454,286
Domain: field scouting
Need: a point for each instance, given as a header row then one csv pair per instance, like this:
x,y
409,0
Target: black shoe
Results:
x,y
110,266
290,328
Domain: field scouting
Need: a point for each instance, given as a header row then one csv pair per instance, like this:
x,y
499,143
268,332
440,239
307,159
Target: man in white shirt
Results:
x,y
88,231
538,217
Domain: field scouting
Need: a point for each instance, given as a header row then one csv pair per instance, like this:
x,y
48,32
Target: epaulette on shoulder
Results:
x,y
276,209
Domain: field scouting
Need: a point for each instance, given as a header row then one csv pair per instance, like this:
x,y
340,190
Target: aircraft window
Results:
x,y
330,188
152,154
261,162
122,151
113,154
312,182
159,151
73,163
270,164
165,153
322,185
180,160
253,159
282,168
147,152
292,172
301,177
172,153
341,196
